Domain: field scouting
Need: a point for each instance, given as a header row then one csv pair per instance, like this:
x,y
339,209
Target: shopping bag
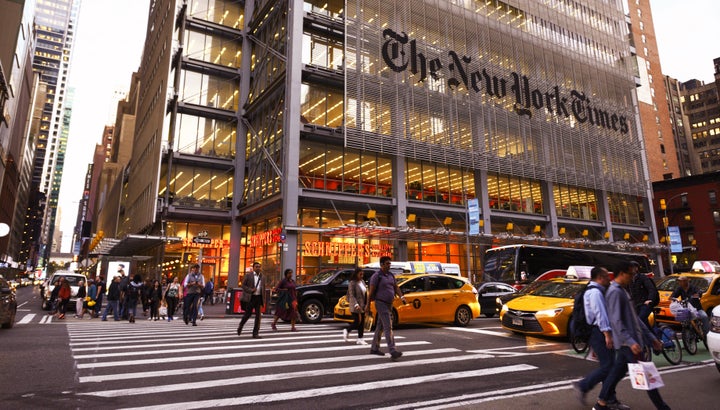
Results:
x,y
644,376
368,323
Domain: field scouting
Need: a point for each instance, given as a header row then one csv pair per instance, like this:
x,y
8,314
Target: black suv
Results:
x,y
319,296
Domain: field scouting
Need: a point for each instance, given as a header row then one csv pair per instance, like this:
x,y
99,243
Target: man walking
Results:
x,y
600,334
629,335
253,284
100,293
382,291
194,283
112,299
645,295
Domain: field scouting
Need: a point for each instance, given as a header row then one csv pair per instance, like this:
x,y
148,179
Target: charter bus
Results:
x,y
521,264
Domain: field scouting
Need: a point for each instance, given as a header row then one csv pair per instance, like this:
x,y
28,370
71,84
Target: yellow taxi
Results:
x,y
546,311
430,298
707,283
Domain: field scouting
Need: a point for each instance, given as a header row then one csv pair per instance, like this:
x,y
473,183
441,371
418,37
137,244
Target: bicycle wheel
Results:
x,y
689,339
673,353
579,343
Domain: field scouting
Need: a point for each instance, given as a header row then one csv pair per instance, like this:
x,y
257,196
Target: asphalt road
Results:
x,y
92,364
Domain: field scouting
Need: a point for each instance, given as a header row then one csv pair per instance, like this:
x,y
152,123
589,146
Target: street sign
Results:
x,y
675,239
474,216
202,239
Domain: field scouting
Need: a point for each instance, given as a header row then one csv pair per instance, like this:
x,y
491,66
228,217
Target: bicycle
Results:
x,y
691,328
671,348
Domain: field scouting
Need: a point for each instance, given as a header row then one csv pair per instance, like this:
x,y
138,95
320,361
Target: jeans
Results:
x,y
357,324
384,325
113,306
131,307
705,320
190,307
605,356
624,356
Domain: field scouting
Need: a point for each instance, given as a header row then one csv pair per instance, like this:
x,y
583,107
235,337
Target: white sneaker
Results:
x,y
361,342
345,335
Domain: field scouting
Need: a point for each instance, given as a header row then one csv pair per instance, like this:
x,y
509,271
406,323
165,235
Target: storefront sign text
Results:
x,y
346,249
212,243
266,238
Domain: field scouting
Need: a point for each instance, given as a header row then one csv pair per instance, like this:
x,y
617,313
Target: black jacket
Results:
x,y
114,291
643,288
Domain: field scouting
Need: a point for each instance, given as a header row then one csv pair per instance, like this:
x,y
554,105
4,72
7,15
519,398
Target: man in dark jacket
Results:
x,y
113,297
100,284
644,295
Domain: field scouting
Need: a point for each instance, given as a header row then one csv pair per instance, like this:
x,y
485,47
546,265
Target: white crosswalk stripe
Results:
x,y
164,361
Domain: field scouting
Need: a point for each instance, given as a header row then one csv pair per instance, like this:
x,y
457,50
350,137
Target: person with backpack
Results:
x,y
592,311
644,294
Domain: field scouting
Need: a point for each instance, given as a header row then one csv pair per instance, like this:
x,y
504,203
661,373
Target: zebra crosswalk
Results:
x,y
170,365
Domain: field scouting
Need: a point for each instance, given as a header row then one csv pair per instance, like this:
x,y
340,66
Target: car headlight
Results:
x,y
715,324
504,308
498,301
549,312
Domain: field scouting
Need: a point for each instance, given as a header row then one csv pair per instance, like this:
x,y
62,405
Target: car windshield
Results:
x,y
72,280
533,286
559,290
322,276
670,283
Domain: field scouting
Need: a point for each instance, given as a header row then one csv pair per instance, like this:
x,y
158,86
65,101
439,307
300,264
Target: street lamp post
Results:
x,y
663,206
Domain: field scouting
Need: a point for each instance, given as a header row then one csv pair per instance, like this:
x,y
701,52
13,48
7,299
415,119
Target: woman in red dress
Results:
x,y
286,308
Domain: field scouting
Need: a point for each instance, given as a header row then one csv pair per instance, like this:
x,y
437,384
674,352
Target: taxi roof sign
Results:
x,y
706,266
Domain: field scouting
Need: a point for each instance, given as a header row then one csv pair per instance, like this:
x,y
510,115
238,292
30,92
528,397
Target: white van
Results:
x,y
417,267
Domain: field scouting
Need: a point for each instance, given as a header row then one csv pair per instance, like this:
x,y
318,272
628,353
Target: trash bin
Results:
x,y
232,303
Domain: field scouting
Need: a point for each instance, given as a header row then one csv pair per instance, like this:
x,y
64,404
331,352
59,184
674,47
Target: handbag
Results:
x,y
367,325
644,376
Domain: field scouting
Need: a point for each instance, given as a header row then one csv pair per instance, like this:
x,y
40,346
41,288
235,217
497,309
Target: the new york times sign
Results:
x,y
461,72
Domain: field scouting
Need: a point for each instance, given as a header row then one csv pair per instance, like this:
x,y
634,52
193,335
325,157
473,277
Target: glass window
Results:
x,y
321,106
712,197
212,49
333,168
206,136
227,13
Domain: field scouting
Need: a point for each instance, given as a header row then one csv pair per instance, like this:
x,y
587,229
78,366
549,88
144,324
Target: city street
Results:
x,y
93,364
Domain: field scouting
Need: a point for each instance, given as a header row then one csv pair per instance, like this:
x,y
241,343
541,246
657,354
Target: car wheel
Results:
x,y
463,316
393,318
312,311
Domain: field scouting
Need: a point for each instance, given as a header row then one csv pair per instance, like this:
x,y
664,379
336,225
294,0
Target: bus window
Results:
x,y
522,264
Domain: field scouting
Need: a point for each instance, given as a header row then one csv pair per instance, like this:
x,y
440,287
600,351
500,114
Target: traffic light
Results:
x,y
663,206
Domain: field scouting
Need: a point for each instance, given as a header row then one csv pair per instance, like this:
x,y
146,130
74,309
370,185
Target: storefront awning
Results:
x,y
131,245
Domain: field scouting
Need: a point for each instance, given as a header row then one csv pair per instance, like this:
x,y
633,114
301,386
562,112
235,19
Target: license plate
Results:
x,y
517,321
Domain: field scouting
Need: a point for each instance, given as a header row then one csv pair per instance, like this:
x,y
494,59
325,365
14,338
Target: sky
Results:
x,y
687,34
109,41
111,34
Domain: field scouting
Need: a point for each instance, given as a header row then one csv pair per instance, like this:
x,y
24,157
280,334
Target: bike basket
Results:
x,y
682,315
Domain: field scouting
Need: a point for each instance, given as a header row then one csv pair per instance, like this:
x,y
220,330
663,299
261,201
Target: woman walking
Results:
x,y
286,308
356,298
154,298
64,296
174,290
79,304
